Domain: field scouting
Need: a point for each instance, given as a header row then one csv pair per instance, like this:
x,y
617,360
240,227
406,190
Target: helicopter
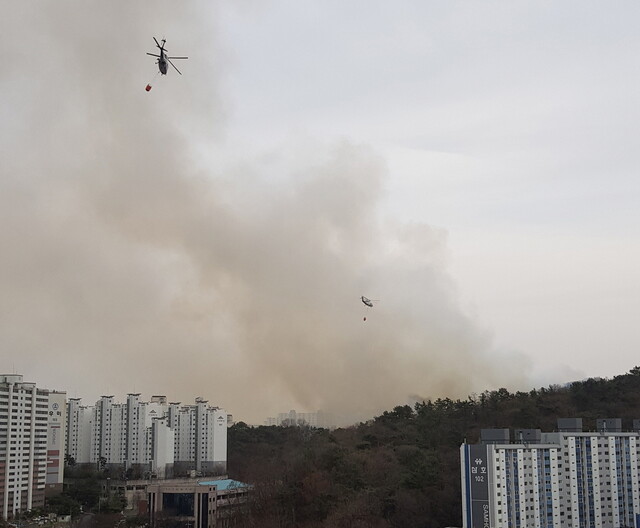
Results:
x,y
163,58
366,301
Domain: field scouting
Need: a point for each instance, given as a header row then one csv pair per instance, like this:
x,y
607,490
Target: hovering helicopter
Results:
x,y
366,301
163,58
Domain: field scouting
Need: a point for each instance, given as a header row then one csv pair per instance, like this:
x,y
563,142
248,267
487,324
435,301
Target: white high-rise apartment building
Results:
x,y
162,448
565,479
156,436
201,437
79,431
106,444
56,432
31,438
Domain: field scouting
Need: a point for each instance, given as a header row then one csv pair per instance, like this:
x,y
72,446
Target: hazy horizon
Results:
x,y
470,167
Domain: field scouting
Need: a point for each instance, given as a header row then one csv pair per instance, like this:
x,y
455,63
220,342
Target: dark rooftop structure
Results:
x,y
495,436
570,425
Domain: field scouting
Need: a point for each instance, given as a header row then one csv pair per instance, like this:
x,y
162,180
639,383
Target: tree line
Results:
x,y
401,468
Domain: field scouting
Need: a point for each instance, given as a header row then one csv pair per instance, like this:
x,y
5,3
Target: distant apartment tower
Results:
x,y
107,433
564,479
201,438
313,419
113,434
153,437
161,452
79,432
31,443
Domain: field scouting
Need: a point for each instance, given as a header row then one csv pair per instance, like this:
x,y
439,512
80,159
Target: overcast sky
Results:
x,y
472,165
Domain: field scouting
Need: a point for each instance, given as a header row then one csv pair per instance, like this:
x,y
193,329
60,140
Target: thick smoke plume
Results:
x,y
128,265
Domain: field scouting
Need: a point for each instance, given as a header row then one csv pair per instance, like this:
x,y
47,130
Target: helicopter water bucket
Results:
x,y
148,88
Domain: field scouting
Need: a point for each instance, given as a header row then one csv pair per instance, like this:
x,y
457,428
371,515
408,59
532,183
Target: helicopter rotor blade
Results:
x,y
177,57
153,54
174,67
157,43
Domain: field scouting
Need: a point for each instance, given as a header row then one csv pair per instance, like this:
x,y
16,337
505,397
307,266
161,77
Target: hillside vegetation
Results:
x,y
401,469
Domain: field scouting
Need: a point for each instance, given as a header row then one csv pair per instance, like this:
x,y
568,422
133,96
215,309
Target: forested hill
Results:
x,y
401,469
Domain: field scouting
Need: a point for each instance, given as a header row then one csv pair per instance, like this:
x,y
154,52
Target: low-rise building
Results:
x,y
196,503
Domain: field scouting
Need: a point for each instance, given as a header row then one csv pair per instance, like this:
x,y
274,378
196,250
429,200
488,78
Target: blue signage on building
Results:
x,y
477,486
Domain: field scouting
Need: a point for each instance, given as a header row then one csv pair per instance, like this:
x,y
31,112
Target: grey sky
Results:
x,y
512,125
473,165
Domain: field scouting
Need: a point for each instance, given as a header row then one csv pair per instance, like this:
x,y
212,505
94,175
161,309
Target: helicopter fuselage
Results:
x,y
162,63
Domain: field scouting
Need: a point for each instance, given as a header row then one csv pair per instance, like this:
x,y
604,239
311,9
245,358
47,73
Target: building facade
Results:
x,y
201,438
79,432
57,418
192,502
155,438
31,443
564,479
162,440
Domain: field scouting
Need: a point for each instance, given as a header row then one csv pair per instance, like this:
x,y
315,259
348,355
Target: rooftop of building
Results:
x,y
224,484
566,427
